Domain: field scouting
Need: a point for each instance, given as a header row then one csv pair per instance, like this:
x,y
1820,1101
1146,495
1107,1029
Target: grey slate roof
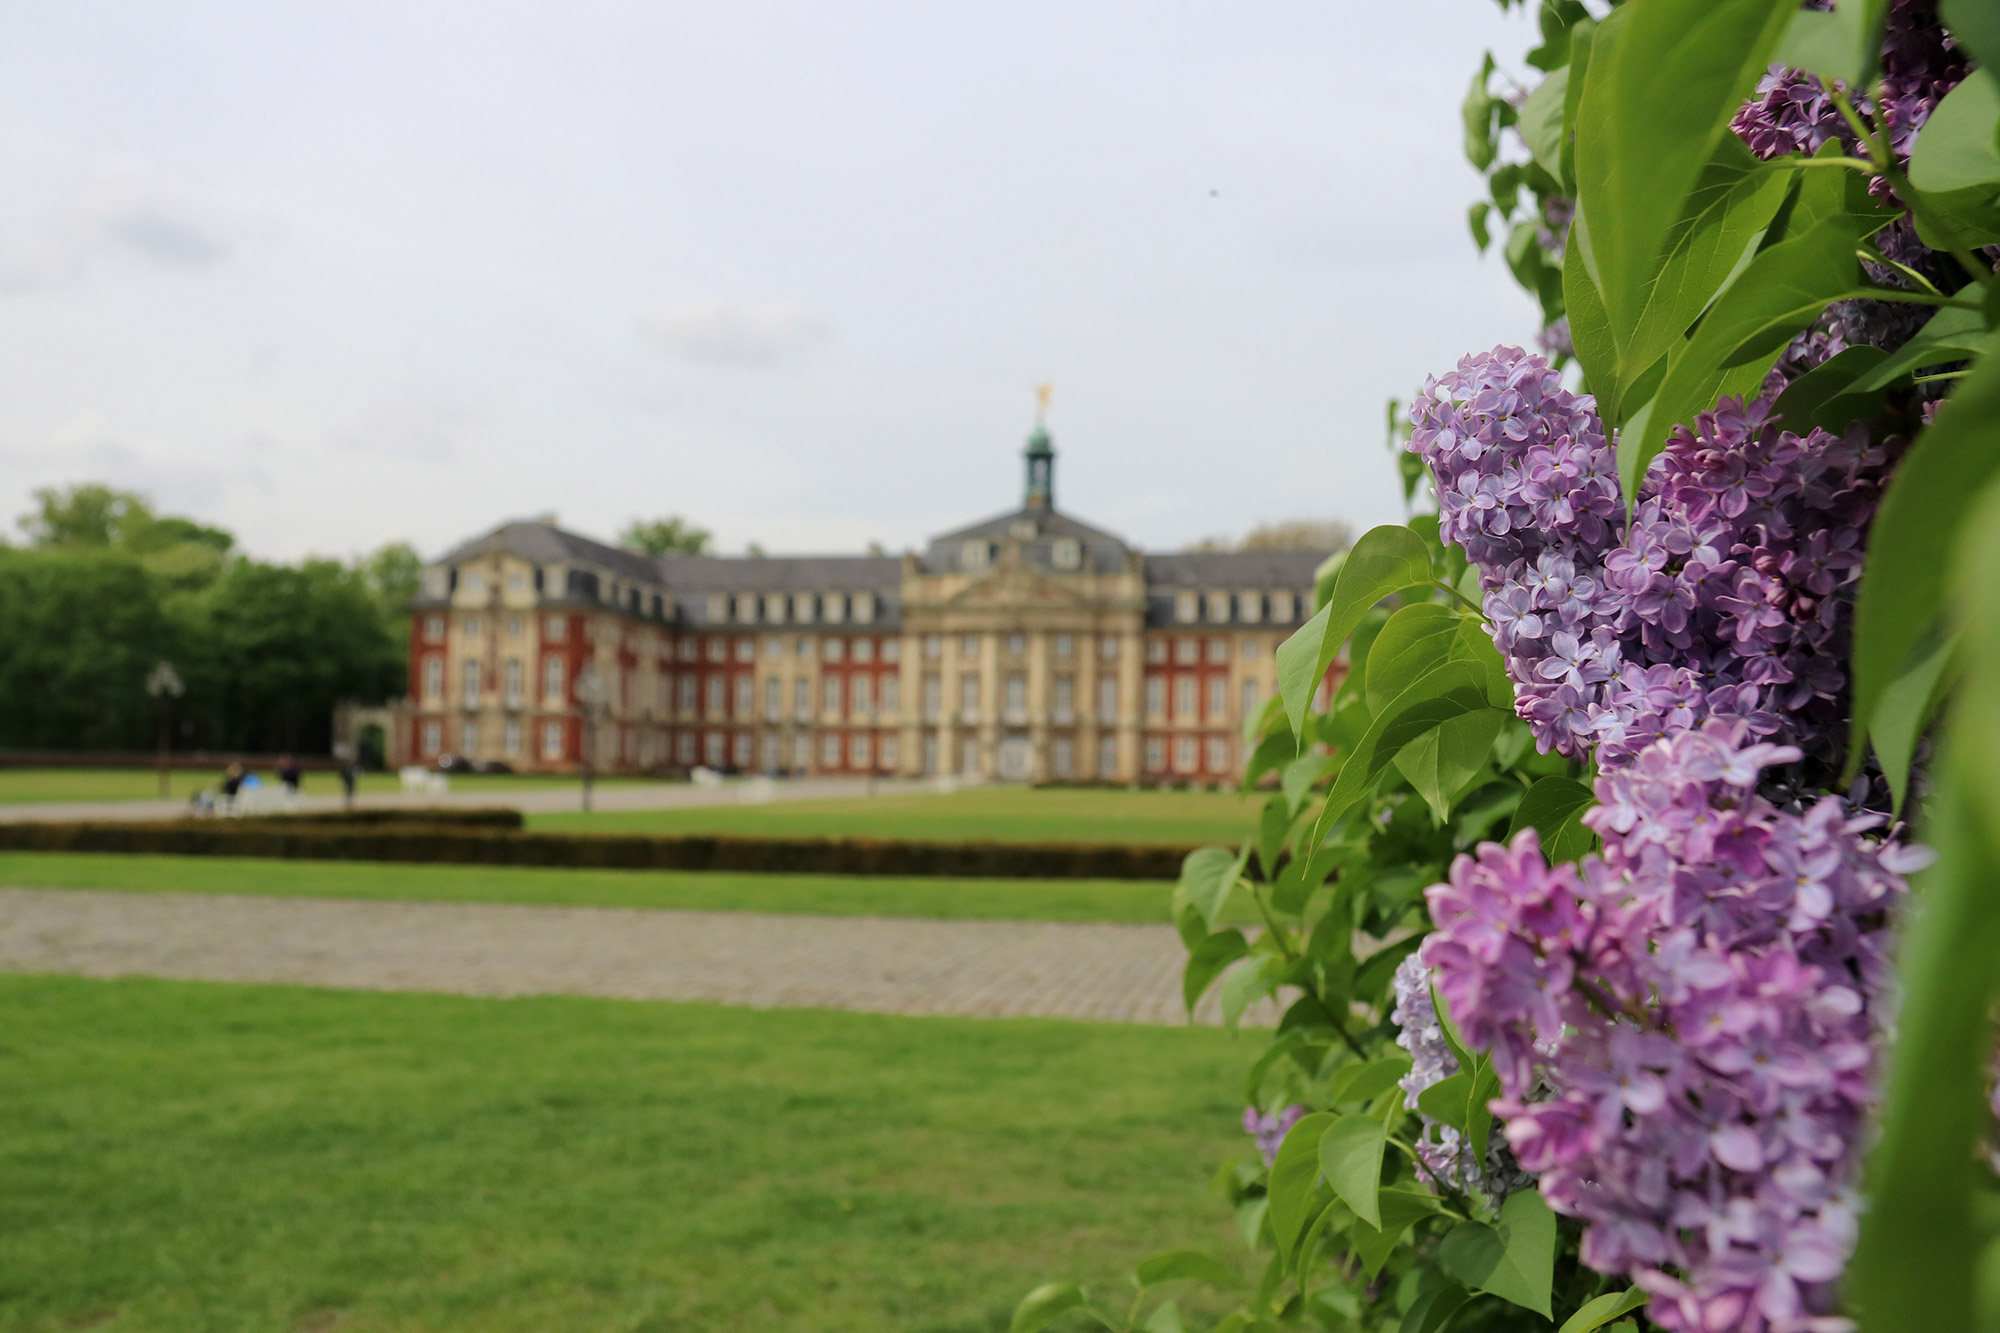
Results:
x,y
1103,552
545,543
1228,571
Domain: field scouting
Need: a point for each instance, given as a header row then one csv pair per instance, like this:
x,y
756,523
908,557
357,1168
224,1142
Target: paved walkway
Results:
x,y
985,969
530,800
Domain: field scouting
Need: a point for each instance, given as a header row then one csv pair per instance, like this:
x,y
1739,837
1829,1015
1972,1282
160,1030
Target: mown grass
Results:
x,y
997,813
189,1158
18,785
833,895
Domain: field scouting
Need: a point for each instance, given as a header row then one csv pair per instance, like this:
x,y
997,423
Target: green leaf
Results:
x,y
1781,292
1246,984
1350,1153
1301,878
1841,44
1278,748
1474,643
1433,699
1733,202
1272,825
1907,707
1293,1172
1207,876
1207,960
1590,328
1541,123
1417,639
1951,334
1185,1266
1441,761
1475,220
1515,1260
1385,561
1165,1318
1665,77
1596,1314
1043,1304
1976,25
1446,1100
1434,1306
1554,807
1955,148
1401,1208
1478,1119
1365,1080
1477,113
1299,777
1824,396
1914,534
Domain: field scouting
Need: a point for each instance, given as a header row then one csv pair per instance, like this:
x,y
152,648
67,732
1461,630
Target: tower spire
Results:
x,y
1041,456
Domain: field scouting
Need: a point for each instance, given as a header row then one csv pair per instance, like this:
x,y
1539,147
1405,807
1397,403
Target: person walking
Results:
x,y
289,773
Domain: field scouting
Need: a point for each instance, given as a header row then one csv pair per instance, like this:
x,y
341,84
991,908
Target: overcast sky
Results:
x,y
333,275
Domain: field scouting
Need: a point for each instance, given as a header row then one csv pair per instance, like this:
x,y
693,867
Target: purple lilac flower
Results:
x,y
1270,1127
1442,1149
1728,594
1685,1027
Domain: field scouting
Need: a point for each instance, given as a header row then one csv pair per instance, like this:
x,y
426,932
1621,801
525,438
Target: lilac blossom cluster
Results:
x,y
1442,1149
1683,1027
1270,1127
1727,595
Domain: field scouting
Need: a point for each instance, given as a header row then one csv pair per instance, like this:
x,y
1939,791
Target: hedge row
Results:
x,y
300,838
420,816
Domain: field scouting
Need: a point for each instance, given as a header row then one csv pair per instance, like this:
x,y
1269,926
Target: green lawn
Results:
x,y
1005,814
187,1158
143,784
715,891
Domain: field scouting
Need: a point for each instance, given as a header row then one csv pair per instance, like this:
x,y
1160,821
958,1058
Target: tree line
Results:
x,y
103,588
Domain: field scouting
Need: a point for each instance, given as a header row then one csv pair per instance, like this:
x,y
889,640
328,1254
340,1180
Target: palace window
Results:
x,y
433,628
514,627
552,740
746,696
1060,763
684,747
1017,645
1281,607
834,606
716,699
1218,607
718,607
552,678
1107,758
1187,651
933,697
1156,650
836,650
474,583
1187,607
1218,698
1252,698
1156,754
1184,696
688,688
968,697
1067,553
864,650
802,609
802,706
773,755
864,608
968,646
1218,651
802,753
863,704
1065,698
712,749
746,650
774,648
1218,754
774,699
829,751
745,748
892,692
933,647
1251,648
803,650
688,650
517,582
892,650
1107,698
433,678
774,607
513,683
471,682
832,695
1017,697
433,737
858,751
746,608
890,751
510,737
1249,607
1156,696
1065,646
718,651
975,556
472,627
468,736
1107,647
968,755
1185,754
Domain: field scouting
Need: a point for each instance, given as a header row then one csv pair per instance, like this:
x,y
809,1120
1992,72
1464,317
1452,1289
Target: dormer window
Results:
x,y
437,581
718,607
1187,607
1281,607
1218,608
976,556
1067,553
774,608
802,607
835,608
864,608
1022,530
746,608
475,583
1249,607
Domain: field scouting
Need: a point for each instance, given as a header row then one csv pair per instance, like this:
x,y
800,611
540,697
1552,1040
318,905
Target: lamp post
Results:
x,y
164,685
590,697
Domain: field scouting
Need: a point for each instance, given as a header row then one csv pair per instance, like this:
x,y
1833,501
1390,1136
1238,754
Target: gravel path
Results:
x,y
987,969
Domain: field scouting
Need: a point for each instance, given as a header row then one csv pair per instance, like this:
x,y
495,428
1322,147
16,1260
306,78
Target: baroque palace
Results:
x,y
1028,647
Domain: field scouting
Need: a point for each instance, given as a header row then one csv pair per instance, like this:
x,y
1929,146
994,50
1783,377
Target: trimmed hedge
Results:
x,y
307,839
422,816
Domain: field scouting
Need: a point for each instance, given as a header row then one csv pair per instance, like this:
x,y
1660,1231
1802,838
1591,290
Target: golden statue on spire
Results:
x,y
1042,392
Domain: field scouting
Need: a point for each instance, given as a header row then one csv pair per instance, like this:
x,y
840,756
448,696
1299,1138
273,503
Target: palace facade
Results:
x,y
1028,647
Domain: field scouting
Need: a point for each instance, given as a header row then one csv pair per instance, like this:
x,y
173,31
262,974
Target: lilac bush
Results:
x,y
1684,1027
1727,595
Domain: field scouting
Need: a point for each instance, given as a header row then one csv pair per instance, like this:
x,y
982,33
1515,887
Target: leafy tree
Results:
x,y
1292,534
664,536
83,629
85,514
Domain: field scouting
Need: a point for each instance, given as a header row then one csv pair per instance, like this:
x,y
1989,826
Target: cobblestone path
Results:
x,y
993,969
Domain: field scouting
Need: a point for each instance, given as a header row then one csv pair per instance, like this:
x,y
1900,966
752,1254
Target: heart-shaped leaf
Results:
x,y
1515,1260
1350,1153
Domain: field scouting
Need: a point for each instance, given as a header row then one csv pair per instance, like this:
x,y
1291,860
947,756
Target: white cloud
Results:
x,y
737,333
123,211
412,429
